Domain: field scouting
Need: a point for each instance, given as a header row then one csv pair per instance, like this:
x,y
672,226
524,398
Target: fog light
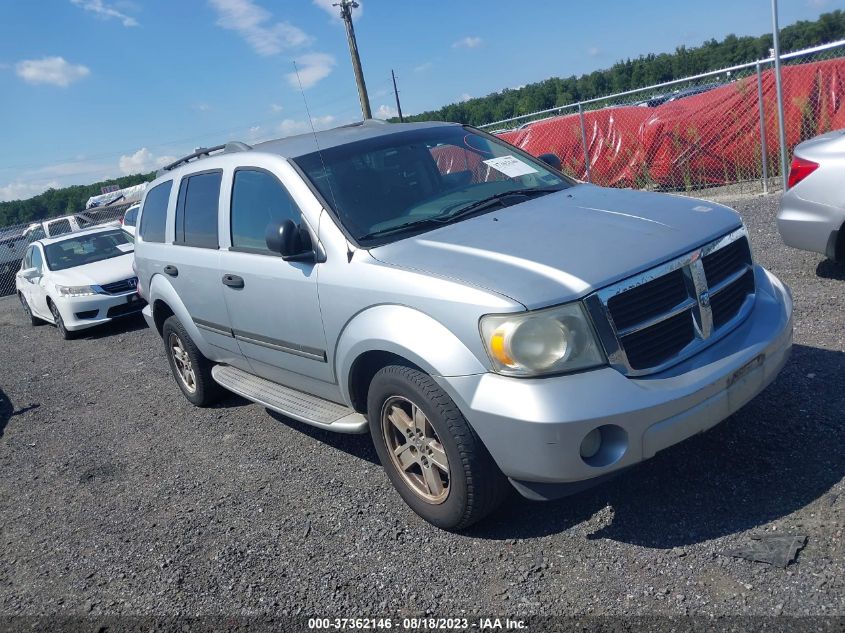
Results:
x,y
591,444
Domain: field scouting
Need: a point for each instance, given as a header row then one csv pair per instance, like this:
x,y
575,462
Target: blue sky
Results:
x,y
91,89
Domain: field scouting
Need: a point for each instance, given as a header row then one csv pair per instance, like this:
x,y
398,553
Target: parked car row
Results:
x,y
492,323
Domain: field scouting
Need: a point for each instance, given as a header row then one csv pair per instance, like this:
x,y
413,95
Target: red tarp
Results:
x,y
706,139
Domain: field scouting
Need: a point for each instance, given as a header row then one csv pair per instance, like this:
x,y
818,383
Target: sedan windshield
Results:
x,y
384,188
87,249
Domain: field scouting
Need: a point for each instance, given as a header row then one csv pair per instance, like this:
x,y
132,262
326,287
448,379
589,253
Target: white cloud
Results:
x,y
470,41
202,107
142,161
106,12
594,51
423,67
51,70
327,6
20,190
291,127
386,112
312,68
255,25
275,107
464,97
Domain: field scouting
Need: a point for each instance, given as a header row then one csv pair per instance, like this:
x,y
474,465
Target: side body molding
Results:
x,y
405,332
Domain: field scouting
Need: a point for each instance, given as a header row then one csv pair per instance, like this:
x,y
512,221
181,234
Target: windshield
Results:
x,y
87,249
411,181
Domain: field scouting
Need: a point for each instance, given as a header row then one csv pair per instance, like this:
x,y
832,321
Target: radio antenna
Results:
x,y
349,251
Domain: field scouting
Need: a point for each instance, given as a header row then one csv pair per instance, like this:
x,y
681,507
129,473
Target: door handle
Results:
x,y
171,270
233,281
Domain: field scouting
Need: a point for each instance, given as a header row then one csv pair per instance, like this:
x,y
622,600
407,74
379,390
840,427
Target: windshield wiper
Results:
x,y
398,228
491,200
463,211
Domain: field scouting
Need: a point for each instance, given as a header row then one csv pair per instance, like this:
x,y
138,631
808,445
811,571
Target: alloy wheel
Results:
x,y
415,449
182,362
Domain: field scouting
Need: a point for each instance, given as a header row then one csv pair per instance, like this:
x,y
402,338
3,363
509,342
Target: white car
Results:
x,y
79,280
130,219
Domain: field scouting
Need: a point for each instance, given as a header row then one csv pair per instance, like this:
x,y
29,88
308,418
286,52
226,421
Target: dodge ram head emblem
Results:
x,y
704,299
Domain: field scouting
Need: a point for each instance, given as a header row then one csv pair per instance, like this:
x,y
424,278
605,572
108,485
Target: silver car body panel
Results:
x,y
812,213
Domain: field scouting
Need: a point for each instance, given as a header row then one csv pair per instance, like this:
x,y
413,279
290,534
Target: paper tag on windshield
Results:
x,y
510,166
125,248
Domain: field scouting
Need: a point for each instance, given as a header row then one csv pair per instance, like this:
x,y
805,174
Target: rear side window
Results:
x,y
154,217
196,210
258,199
59,227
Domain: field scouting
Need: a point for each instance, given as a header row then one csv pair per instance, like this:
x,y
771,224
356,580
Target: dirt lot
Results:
x,y
118,497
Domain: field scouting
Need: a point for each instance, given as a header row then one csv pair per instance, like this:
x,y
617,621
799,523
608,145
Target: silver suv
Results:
x,y
492,323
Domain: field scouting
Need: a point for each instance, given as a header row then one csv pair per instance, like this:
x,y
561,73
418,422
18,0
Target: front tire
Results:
x,y
430,453
60,324
190,368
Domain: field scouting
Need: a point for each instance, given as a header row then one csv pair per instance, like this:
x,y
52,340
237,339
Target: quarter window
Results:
x,y
37,262
154,216
258,199
196,210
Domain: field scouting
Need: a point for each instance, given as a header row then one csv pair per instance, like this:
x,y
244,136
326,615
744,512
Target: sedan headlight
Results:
x,y
553,340
75,291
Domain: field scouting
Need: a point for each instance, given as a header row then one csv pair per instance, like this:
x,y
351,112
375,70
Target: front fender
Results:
x,y
405,332
162,290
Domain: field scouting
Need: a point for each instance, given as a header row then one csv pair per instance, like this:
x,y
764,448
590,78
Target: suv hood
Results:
x,y
562,246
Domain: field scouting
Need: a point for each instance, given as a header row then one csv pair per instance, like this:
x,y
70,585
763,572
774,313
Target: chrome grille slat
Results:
x,y
658,318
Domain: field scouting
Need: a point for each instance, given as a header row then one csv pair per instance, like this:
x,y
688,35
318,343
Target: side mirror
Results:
x,y
286,239
30,273
551,160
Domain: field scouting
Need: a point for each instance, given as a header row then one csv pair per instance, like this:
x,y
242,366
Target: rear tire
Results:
x,y
430,453
60,324
33,320
190,368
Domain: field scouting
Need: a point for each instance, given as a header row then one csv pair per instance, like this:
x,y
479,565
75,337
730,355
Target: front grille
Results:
x,y
126,308
658,318
648,300
653,345
119,287
721,264
728,302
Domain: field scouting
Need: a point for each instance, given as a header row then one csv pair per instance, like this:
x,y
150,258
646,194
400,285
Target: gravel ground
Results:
x,y
119,498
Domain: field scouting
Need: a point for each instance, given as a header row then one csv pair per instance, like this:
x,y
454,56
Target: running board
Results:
x,y
304,407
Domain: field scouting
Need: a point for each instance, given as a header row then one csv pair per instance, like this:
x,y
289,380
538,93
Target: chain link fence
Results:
x,y
15,239
713,134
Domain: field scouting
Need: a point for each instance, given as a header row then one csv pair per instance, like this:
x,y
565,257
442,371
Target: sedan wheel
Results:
x,y
60,324
27,311
182,361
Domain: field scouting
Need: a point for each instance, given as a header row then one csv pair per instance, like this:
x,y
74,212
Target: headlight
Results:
x,y
553,340
74,291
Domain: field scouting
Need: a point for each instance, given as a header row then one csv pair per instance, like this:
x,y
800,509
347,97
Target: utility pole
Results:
x,y
346,7
396,92
784,169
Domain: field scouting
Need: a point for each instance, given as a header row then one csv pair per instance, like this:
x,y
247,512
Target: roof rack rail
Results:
x,y
202,152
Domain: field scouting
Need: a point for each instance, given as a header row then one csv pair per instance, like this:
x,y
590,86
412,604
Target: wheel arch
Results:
x,y
393,334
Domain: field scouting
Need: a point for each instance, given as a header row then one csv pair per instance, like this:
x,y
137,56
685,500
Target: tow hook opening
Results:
x,y
604,445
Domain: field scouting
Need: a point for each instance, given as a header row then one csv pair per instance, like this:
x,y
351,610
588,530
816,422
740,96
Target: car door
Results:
x,y
193,261
37,297
273,304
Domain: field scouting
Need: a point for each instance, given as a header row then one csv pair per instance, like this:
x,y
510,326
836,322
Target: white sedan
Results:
x,y
79,280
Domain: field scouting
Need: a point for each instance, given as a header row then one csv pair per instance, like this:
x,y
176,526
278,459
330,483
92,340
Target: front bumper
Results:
x,y
79,313
533,428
